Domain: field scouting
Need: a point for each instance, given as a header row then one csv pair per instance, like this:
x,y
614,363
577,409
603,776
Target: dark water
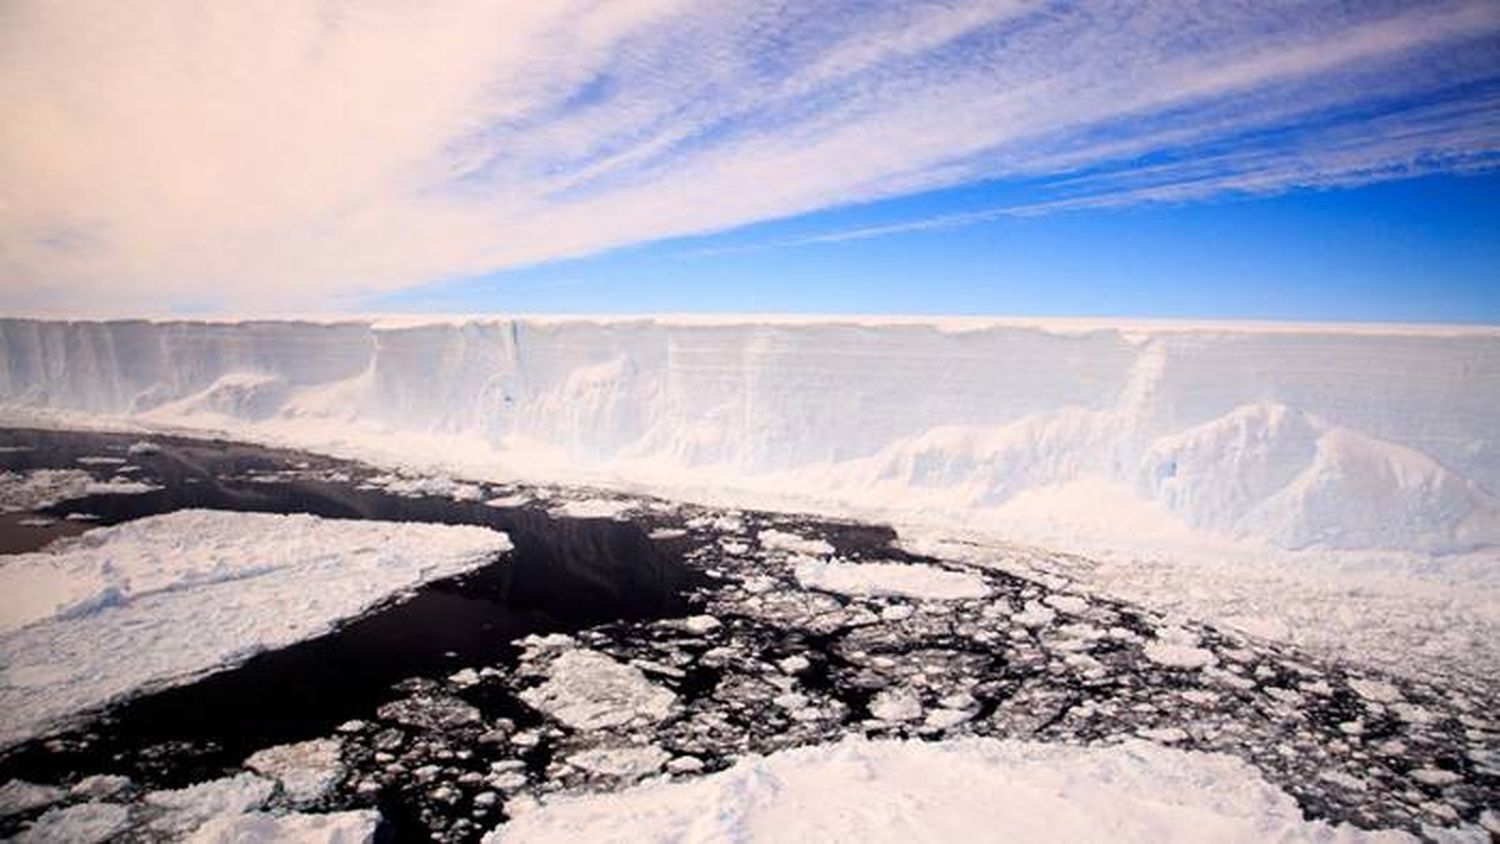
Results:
x,y
563,574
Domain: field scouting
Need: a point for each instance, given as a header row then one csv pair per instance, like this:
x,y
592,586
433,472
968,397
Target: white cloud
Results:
x,y
295,153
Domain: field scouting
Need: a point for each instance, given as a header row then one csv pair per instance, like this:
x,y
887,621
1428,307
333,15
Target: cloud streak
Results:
x,y
295,154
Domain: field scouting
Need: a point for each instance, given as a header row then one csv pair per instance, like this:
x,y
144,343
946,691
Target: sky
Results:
x,y
1270,159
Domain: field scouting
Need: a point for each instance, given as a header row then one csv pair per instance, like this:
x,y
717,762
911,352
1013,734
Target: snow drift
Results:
x,y
1309,436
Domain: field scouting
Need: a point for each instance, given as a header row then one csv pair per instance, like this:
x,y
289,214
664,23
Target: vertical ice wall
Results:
x,y
1322,436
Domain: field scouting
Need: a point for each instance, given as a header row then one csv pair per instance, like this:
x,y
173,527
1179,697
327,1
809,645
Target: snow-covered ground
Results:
x,y
905,791
164,599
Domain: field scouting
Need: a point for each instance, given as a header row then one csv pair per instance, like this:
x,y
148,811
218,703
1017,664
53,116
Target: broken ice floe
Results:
x,y
588,690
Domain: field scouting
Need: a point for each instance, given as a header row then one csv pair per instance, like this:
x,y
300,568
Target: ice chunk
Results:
x,y
85,823
587,690
896,705
890,579
306,770
1375,691
593,508
1179,656
19,796
353,827
779,540
699,625
621,762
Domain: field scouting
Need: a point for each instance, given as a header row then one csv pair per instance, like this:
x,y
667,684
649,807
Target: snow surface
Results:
x,y
163,599
962,790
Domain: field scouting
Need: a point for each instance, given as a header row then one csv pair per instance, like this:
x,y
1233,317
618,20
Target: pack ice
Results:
x,y
1305,437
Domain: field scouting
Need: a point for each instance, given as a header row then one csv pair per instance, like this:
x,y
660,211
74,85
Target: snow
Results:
x,y
164,599
889,579
588,690
353,827
894,791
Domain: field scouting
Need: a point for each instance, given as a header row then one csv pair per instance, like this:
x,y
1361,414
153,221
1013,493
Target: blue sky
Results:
x,y
1288,159
1424,249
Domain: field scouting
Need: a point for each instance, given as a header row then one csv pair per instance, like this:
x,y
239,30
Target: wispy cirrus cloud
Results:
x,y
299,152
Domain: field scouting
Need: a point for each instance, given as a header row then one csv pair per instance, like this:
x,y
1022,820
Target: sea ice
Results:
x,y
306,770
587,690
166,598
958,790
352,827
889,579
84,823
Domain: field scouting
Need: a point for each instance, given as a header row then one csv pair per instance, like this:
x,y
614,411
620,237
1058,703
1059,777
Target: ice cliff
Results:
x,y
1313,436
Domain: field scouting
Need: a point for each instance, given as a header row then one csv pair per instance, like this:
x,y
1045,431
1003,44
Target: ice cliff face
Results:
x,y
1321,437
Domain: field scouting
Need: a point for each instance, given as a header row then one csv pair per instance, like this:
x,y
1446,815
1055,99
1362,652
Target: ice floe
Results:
x,y
900,791
306,770
168,597
889,579
588,690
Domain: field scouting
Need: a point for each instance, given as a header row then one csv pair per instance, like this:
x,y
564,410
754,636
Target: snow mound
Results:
x,y
898,580
164,599
902,791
